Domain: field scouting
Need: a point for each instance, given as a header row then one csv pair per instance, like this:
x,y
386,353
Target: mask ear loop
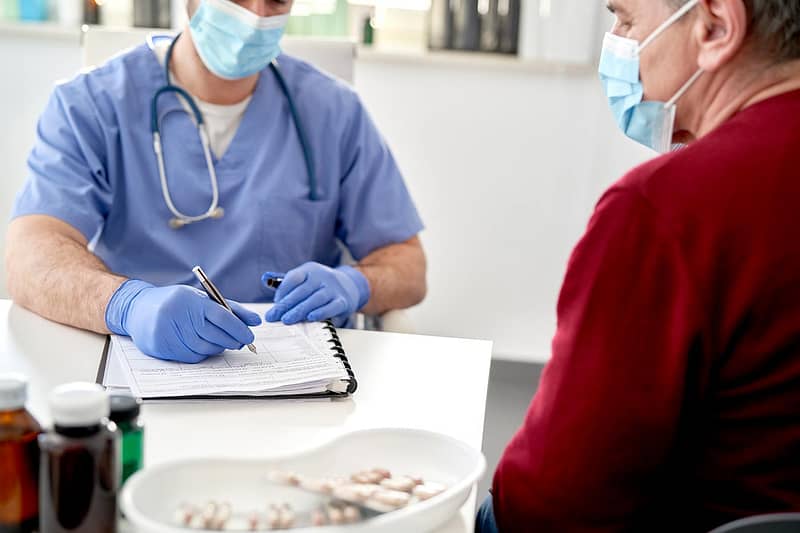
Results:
x,y
682,90
688,6
671,110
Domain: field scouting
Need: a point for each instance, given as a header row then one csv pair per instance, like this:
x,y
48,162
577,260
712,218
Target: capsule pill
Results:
x,y
428,490
392,498
351,514
402,483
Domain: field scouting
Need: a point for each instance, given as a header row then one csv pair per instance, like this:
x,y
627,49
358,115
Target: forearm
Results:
x,y
51,272
396,276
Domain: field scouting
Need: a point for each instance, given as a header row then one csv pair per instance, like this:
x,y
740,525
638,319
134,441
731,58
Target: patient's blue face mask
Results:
x,y
234,42
649,123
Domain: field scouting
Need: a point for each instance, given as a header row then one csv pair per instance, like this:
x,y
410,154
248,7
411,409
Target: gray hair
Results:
x,y
774,26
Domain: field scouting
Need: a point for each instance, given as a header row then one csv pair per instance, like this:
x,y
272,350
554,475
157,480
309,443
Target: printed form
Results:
x,y
295,359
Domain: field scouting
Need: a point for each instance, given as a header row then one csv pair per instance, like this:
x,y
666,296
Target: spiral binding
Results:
x,y
352,383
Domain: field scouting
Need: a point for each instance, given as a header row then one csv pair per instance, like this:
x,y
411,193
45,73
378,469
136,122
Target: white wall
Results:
x,y
561,30
505,165
506,168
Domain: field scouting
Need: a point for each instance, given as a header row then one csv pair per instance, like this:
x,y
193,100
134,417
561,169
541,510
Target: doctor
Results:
x,y
210,149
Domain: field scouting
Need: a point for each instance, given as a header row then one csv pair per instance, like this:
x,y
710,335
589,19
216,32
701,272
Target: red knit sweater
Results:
x,y
672,399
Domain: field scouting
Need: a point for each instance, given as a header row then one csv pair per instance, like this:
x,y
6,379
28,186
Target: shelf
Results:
x,y
47,30
367,54
477,60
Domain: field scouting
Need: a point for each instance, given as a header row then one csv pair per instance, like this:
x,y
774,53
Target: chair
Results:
x,y
768,523
334,56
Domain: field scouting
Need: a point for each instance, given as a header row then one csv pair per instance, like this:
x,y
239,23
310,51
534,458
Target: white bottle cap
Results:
x,y
13,391
79,404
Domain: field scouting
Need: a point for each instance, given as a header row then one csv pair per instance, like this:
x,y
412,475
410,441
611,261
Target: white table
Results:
x,y
409,381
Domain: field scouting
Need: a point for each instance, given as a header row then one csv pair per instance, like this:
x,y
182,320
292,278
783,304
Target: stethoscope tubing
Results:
x,y
179,218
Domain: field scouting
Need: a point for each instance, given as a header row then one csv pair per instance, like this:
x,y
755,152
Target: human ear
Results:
x,y
720,30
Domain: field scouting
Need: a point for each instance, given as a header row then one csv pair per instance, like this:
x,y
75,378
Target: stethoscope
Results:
x,y
214,211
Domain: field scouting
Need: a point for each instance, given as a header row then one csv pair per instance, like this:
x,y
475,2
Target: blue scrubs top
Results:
x,y
93,167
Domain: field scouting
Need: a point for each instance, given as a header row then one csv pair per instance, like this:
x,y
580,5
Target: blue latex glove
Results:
x,y
313,292
177,323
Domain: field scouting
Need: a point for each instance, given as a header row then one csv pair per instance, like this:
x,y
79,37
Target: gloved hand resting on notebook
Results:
x,y
314,292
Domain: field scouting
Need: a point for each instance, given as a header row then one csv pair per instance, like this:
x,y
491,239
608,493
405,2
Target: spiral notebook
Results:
x,y
304,360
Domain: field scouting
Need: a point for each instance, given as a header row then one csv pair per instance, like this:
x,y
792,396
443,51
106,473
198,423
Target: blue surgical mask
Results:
x,y
649,123
234,42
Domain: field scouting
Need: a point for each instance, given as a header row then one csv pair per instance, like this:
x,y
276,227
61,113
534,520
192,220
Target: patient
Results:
x,y
672,399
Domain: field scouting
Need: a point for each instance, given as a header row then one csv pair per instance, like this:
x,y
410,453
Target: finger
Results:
x,y
187,356
193,359
294,278
172,349
271,275
228,323
332,309
214,335
245,315
291,300
302,309
194,345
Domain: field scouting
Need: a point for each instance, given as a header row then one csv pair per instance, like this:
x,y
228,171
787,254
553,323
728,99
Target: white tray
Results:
x,y
150,498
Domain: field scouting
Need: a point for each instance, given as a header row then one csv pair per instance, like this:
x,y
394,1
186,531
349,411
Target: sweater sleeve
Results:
x,y
605,418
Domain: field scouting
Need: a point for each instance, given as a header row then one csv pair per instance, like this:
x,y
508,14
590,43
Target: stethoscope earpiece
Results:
x,y
176,223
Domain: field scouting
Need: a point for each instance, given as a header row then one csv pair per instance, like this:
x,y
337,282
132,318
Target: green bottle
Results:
x,y
368,32
125,413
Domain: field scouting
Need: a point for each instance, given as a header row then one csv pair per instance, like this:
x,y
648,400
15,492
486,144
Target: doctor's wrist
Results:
x,y
120,303
361,283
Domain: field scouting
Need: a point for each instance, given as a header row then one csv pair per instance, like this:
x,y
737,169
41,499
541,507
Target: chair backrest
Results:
x,y
334,56
768,523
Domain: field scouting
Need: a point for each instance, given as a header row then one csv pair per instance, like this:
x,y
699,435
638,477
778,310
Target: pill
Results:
x,y
208,514
197,522
274,517
392,498
335,515
323,486
184,514
253,521
428,490
222,516
355,492
339,481
382,472
287,478
367,477
318,518
286,516
401,483
351,514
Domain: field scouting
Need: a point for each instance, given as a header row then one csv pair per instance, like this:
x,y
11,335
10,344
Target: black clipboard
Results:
x,y
338,352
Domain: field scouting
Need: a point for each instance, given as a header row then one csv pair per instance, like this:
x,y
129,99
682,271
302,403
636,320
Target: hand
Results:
x,y
314,292
177,323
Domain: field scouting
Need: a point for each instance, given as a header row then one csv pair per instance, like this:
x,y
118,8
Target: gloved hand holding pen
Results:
x,y
313,292
177,322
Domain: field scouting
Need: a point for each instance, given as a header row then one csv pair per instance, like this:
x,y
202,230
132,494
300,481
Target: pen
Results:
x,y
214,294
274,283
